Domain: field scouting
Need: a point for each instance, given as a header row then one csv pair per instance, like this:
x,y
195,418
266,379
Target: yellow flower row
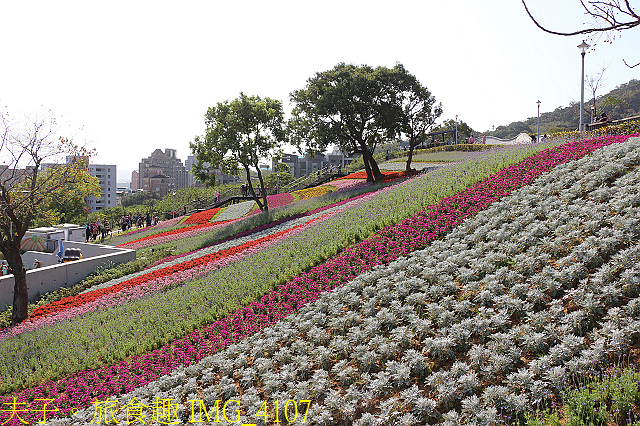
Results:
x,y
317,191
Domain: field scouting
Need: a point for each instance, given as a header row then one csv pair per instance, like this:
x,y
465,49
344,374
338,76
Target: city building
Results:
x,y
134,180
162,172
106,174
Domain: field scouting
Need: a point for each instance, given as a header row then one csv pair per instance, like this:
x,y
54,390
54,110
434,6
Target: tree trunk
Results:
x,y
409,157
374,173
253,193
264,193
20,292
367,167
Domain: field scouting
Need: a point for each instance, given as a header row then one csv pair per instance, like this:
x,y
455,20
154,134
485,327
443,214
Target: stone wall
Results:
x,y
57,275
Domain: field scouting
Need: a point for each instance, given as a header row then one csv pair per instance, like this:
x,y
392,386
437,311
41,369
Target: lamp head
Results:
x,y
583,47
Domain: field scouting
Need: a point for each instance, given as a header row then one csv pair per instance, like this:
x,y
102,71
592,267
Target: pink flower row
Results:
x,y
172,237
345,184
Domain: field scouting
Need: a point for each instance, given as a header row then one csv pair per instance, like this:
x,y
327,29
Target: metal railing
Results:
x,y
599,124
309,180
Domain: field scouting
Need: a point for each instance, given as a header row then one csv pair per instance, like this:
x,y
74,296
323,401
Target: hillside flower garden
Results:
x,y
480,292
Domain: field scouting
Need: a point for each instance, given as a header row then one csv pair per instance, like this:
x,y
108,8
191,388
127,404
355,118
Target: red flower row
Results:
x,y
201,217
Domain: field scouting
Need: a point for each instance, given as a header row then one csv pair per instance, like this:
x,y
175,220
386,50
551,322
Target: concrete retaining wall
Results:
x,y
53,277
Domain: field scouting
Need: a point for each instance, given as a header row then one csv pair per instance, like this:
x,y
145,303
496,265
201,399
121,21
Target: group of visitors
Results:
x,y
97,228
139,220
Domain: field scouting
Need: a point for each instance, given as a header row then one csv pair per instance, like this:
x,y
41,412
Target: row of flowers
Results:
x,y
151,282
276,200
162,224
381,249
235,211
388,175
316,191
405,344
202,217
347,184
269,225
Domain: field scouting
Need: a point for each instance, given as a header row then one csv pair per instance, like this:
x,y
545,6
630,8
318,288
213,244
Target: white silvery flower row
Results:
x,y
503,286
218,247
235,211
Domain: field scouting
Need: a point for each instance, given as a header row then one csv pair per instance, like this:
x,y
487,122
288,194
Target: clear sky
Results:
x,y
133,76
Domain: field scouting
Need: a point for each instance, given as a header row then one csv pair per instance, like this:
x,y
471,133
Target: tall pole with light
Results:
x,y
583,49
538,133
174,205
456,129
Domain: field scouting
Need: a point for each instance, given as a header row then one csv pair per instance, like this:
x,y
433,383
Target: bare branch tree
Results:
x,y
608,16
28,186
595,82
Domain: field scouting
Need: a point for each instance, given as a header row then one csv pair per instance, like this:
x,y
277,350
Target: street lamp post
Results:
x,y
583,49
456,129
173,212
538,133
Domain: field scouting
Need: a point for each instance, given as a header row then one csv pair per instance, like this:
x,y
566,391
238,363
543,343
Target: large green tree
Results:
x,y
419,110
355,107
30,190
238,135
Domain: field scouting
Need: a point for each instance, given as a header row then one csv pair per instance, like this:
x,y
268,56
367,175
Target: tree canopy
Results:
x,y
355,107
33,191
238,135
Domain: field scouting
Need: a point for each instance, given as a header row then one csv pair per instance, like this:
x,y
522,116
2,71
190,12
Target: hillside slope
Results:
x,y
487,323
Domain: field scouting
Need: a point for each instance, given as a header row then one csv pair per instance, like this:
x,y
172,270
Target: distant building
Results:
x,y
134,180
162,172
106,174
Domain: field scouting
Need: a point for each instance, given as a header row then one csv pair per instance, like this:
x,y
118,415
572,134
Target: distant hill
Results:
x,y
626,99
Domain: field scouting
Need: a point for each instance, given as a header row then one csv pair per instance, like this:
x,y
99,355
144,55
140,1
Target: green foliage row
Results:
x,y
401,155
109,335
602,398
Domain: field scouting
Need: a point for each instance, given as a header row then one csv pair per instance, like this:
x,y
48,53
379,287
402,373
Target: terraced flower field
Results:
x,y
470,304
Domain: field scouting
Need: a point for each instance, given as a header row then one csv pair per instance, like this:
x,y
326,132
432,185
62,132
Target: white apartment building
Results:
x,y
106,174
